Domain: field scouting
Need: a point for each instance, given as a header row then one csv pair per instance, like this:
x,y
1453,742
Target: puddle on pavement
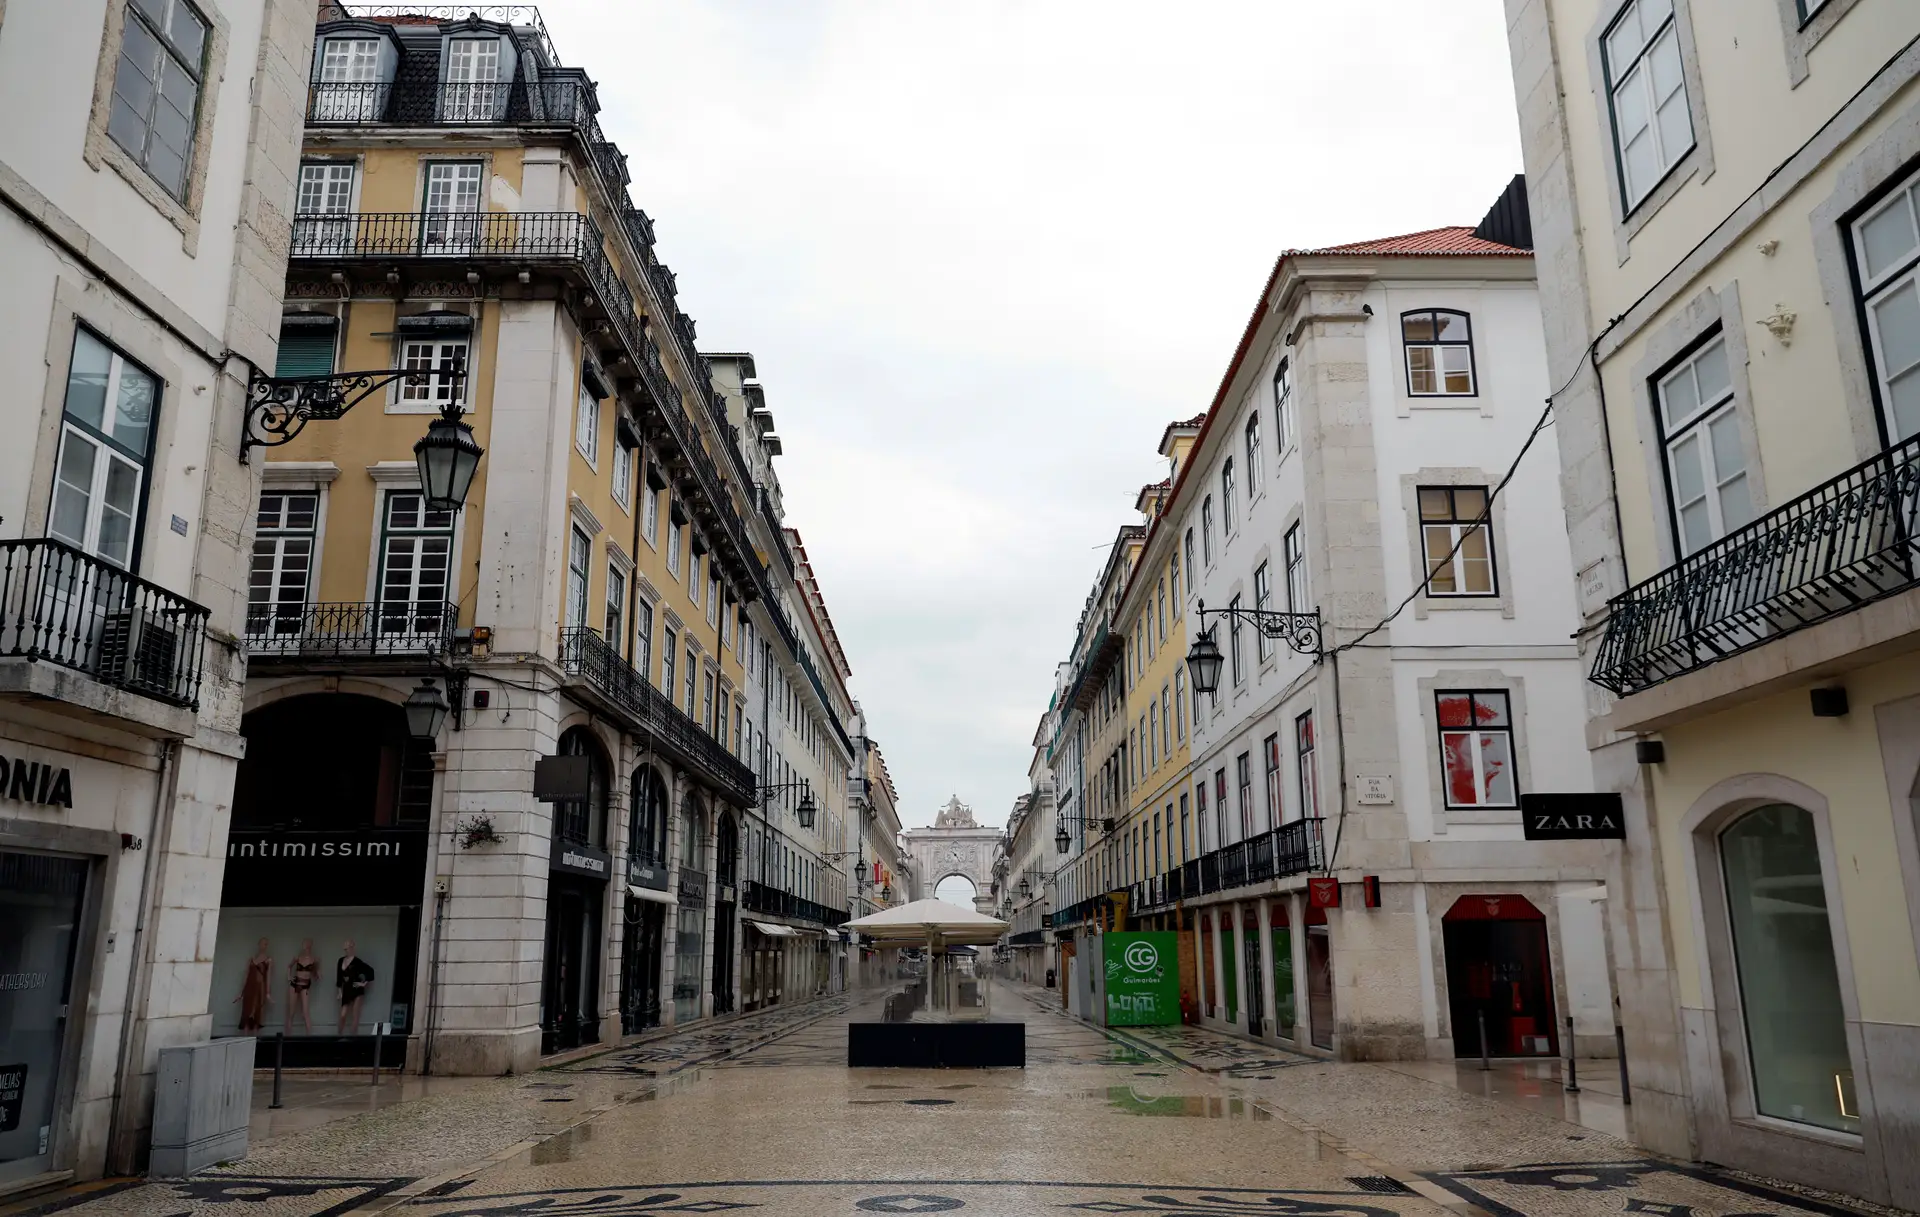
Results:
x,y
561,1147
1200,1107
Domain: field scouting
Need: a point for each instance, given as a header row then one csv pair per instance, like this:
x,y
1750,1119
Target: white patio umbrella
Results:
x,y
934,922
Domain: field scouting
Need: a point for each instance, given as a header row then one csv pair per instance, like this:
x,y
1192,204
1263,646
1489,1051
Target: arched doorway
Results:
x,y
956,889
576,893
642,947
326,862
690,919
1498,969
726,853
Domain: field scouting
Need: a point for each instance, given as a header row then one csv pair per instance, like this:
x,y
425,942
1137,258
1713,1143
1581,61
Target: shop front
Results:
x,y
726,854
319,932
1499,977
578,870
43,899
648,902
690,914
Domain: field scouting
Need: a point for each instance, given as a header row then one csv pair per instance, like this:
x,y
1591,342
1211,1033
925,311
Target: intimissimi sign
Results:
x,y
346,866
41,782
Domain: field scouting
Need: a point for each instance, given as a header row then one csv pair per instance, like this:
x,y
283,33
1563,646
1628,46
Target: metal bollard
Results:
x,y
1485,1064
279,1060
379,1037
1620,1047
1573,1071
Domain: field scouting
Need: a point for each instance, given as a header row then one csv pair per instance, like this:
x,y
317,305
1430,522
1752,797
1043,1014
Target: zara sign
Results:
x,y
1573,817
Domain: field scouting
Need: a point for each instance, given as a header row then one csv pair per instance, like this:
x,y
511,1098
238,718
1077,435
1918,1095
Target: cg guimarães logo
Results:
x,y
1142,957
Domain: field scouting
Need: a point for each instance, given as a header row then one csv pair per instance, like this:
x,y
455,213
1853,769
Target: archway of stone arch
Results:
x,y
956,889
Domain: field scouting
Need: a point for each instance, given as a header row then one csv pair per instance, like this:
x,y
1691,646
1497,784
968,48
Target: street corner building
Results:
x,y
1726,205
1315,684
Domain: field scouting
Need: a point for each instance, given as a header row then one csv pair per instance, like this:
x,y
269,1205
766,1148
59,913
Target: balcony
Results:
x,y
62,606
590,662
1837,548
1295,848
761,898
348,630
517,236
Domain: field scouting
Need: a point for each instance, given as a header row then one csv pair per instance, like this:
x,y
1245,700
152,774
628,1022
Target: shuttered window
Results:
x,y
305,352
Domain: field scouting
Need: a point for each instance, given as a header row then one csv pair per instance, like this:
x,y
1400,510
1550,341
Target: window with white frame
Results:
x,y
622,473
1457,541
1226,497
106,444
1220,803
472,90
649,510
1705,449
1152,757
1263,602
616,604
1276,810
450,223
349,88
1180,704
1886,244
1173,574
713,597
282,565
1439,352
323,207
694,582
436,365
690,675
642,635
1166,721
586,427
1256,462
156,88
416,562
1283,407
1243,774
579,551
1206,529
1293,552
1233,640
669,651
674,532
1476,748
1303,760
1652,128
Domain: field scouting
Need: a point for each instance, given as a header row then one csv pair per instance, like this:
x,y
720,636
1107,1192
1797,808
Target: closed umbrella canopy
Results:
x,y
930,920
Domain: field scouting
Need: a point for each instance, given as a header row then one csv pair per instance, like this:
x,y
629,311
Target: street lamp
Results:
x,y
1062,839
447,456
806,810
426,711
1203,662
1300,631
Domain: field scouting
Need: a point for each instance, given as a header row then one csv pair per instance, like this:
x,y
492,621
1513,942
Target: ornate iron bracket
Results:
x,y
1300,631
280,407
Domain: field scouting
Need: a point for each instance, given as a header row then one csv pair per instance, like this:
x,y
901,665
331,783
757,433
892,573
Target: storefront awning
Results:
x,y
647,893
773,931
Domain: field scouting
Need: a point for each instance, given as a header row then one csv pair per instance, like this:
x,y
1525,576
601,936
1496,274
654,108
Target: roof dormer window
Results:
x,y
353,71
473,91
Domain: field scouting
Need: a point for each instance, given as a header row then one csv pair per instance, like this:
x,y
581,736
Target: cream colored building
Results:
x,y
1726,206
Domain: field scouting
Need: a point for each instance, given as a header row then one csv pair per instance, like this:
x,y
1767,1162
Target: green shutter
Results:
x,y
305,353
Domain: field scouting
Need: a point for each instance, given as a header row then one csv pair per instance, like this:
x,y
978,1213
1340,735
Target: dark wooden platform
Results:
x,y
936,1045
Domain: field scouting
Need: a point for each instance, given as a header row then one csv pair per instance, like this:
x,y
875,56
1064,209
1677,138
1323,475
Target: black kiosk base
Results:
x,y
936,1045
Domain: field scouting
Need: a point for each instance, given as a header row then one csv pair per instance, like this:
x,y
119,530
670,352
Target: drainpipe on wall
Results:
x,y
123,1158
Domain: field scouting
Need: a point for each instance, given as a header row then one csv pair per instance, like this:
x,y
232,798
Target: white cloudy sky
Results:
x,y
984,250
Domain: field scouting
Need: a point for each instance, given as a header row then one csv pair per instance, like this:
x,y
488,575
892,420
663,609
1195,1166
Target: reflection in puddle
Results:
x,y
1204,1107
561,1147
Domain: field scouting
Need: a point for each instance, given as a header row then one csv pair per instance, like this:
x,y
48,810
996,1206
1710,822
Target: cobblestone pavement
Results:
x,y
761,1113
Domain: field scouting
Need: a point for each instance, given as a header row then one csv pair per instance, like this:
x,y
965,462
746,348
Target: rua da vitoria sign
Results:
x,y
1573,817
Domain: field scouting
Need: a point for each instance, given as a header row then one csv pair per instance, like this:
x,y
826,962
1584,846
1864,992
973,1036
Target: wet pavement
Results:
x,y
761,1113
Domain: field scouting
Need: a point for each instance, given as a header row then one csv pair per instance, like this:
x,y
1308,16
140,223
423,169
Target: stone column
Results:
x,y
1199,966
1270,1022
1219,977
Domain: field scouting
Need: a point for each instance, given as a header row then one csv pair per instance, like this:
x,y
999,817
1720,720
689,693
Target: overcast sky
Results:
x,y
984,250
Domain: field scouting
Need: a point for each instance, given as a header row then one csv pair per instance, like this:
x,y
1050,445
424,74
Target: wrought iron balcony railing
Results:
x,y
1294,848
65,606
349,630
763,898
587,657
465,235
1834,549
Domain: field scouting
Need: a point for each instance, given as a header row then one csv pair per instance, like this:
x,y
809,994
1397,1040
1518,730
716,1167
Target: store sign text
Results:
x,y
39,782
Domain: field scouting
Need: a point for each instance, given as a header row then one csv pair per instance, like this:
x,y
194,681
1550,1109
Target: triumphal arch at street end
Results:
x,y
955,845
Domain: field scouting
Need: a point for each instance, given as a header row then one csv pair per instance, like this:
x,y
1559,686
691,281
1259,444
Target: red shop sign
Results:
x,y
1323,893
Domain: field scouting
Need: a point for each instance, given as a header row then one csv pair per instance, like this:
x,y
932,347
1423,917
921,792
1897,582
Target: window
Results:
x,y
1200,807
622,474
350,68
1255,466
1206,529
649,510
437,363
1293,551
1191,568
1705,447
1439,349
1233,641
1186,840
416,550
1226,497
673,546
692,679
1652,128
473,71
586,427
1476,749
1160,598
1270,749
1456,541
668,651
1243,771
1789,981
693,573
713,596
1153,735
616,605
707,713
579,549
1166,722
1220,803
1173,574
1303,765
323,208
1263,602
156,88
642,636
282,562
451,220
106,436
1886,245
1808,8
1180,703
1283,407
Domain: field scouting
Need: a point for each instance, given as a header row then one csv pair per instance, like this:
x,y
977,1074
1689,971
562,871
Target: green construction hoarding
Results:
x,y
1143,980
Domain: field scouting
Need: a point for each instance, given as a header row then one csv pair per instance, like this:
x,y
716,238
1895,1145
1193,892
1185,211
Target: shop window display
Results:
x,y
42,898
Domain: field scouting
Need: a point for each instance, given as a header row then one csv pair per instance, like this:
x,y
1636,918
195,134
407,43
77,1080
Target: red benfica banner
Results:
x,y
1323,893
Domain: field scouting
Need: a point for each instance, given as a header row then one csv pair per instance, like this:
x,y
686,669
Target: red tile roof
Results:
x,y
1427,243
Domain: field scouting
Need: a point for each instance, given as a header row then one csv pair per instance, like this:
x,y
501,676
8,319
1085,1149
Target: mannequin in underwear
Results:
x,y
353,976
301,970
